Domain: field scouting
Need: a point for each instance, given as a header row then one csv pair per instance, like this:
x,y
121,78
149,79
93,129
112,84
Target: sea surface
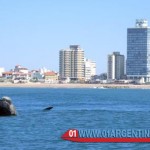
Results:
x,y
35,129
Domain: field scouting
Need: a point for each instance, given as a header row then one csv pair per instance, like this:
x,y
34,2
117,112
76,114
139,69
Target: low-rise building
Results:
x,y
51,77
19,68
7,74
36,75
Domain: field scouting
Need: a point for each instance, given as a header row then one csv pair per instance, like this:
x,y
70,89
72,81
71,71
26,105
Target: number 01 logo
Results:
x,y
72,133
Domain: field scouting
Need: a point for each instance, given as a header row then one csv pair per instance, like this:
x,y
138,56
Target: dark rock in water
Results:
x,y
6,107
48,108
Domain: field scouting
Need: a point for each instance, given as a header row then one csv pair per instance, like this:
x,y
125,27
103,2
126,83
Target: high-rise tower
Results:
x,y
115,66
71,63
138,51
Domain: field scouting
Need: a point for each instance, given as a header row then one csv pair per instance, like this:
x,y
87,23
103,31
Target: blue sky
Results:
x,y
33,31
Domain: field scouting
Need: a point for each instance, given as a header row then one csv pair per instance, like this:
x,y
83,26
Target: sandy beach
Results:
x,y
47,85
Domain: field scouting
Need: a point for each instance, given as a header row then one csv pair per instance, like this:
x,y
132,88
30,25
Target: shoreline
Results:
x,y
74,85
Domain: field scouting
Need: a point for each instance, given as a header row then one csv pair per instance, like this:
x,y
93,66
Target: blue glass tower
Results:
x,y
138,51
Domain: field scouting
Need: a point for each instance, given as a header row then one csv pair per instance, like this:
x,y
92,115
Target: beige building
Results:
x,y
71,63
51,77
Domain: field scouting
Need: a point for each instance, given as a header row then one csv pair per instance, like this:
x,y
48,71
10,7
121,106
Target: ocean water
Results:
x,y
35,129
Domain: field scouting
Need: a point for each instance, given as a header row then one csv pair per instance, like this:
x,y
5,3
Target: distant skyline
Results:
x,y
33,31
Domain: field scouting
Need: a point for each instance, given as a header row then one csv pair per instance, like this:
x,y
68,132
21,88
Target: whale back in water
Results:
x,y
48,108
6,107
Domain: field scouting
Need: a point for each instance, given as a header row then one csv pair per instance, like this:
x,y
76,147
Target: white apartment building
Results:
x,y
90,69
1,70
19,68
71,63
115,66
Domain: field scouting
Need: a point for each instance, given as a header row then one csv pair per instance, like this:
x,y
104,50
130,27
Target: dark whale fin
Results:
x,y
48,108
